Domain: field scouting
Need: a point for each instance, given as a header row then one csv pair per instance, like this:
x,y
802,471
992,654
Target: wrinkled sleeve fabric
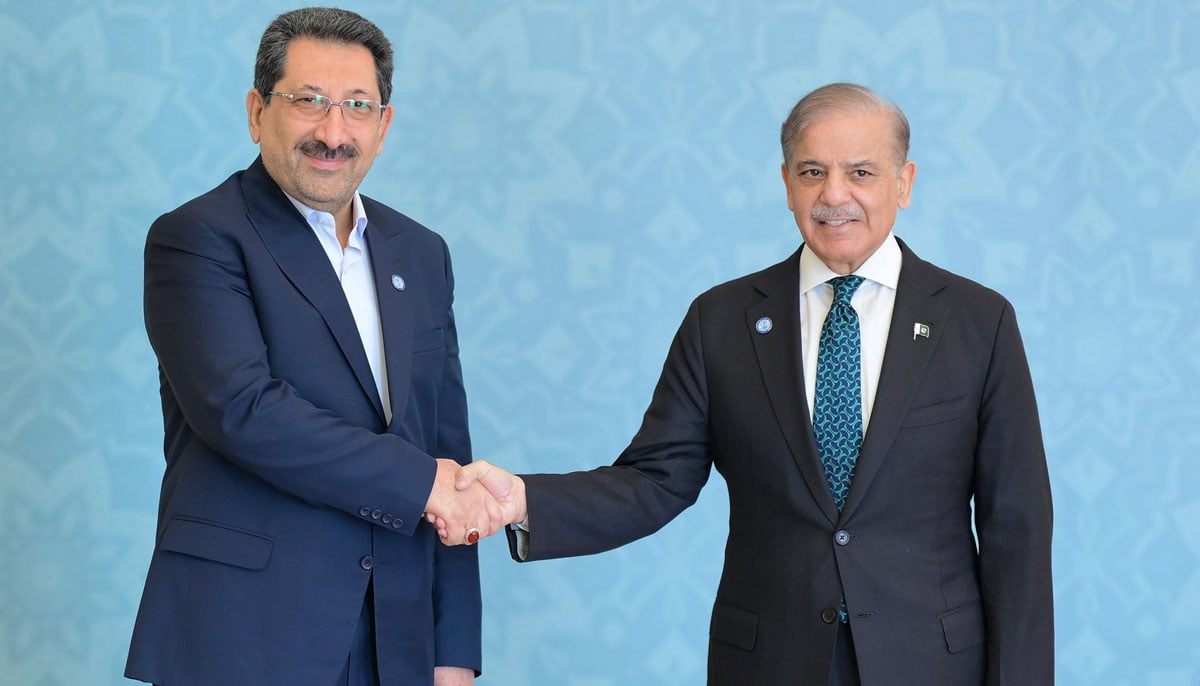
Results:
x,y
1014,518
658,476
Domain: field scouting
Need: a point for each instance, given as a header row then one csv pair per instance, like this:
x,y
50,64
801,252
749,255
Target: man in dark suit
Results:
x,y
851,557
312,395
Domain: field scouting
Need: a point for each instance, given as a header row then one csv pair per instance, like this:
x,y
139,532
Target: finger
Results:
x,y
495,515
468,475
456,530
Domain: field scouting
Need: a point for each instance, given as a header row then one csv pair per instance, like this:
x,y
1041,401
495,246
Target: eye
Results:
x,y
810,173
364,106
860,173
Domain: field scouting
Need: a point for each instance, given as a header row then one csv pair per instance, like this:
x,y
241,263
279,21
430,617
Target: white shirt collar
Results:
x,y
882,267
321,220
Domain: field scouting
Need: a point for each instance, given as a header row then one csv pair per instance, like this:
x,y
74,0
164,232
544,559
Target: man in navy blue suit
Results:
x,y
313,403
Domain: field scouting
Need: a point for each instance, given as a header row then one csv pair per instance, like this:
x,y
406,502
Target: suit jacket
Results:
x,y
284,492
954,435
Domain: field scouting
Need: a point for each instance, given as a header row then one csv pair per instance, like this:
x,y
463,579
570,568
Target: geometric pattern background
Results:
x,y
594,166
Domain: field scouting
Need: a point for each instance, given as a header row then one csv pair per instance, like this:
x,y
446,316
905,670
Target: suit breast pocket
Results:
x,y
936,413
429,339
217,542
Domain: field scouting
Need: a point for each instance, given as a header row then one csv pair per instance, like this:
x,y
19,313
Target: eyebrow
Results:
x,y
852,164
356,92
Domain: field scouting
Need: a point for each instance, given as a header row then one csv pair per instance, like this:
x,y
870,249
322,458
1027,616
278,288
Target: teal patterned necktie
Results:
x,y
837,408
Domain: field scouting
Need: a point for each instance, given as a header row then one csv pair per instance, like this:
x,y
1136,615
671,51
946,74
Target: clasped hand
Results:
x,y
479,497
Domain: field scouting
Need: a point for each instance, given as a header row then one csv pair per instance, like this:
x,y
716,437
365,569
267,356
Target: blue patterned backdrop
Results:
x,y
594,166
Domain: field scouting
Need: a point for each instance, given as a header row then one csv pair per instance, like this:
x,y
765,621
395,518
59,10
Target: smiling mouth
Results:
x,y
835,222
834,217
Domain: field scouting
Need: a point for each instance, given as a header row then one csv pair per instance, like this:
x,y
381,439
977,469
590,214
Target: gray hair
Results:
x,y
324,24
842,98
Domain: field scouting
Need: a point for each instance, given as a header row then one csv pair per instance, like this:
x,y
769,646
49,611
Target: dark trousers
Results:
x,y
362,668
844,670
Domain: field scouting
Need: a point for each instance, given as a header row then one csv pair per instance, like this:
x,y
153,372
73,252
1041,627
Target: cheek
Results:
x,y
882,213
875,200
800,201
272,138
288,134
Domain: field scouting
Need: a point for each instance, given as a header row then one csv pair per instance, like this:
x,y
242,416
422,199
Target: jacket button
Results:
x,y
397,523
829,615
376,514
366,512
367,562
386,519
842,537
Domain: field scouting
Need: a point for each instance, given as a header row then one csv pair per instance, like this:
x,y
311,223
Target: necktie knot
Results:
x,y
844,288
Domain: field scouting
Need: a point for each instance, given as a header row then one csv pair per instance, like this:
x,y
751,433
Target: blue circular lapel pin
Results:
x,y
397,282
763,325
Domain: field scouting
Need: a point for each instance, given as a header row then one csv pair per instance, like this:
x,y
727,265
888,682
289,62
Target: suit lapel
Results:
x,y
389,248
300,257
779,360
905,360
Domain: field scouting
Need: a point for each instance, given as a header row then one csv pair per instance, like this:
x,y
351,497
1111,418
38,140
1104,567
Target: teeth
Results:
x,y
837,222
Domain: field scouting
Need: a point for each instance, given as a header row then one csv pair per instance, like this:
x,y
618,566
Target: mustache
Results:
x,y
822,213
319,149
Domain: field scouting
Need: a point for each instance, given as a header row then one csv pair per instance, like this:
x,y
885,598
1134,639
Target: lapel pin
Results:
x,y
763,325
397,282
921,330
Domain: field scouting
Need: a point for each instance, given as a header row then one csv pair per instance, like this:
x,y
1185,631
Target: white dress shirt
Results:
x,y
353,269
874,301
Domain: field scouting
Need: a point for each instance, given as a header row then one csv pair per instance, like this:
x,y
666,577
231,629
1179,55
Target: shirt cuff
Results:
x,y
521,530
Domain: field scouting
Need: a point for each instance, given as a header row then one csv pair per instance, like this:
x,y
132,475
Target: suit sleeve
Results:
x,y
203,323
658,476
457,600
1014,519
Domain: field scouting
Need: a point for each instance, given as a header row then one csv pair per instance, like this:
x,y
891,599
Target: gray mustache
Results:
x,y
833,214
319,149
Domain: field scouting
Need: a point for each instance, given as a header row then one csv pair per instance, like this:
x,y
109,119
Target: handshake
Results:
x,y
475,501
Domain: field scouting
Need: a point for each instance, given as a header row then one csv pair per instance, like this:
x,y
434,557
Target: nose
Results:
x,y
333,129
835,191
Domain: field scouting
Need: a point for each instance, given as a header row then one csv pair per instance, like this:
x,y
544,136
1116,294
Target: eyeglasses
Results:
x,y
314,107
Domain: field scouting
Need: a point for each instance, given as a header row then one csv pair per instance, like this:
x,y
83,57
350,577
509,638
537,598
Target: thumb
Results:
x,y
468,475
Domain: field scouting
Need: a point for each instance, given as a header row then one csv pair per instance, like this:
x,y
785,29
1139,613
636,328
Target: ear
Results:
x,y
385,123
254,110
783,171
904,181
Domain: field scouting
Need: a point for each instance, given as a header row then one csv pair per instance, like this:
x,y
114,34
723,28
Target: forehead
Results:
x,y
329,66
840,137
